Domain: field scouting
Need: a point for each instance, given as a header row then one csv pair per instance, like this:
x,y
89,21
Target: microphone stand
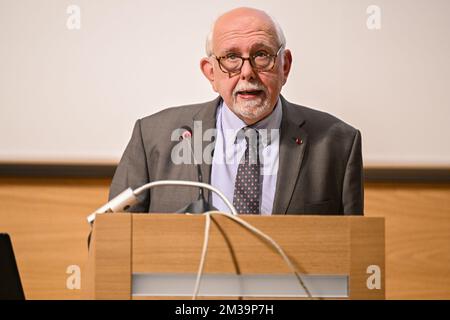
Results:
x,y
201,205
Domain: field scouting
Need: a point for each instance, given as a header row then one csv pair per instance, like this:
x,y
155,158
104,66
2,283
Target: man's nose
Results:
x,y
247,72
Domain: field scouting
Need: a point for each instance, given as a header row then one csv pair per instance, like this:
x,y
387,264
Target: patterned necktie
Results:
x,y
247,186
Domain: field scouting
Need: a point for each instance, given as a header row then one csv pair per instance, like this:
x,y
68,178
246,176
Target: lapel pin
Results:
x,y
298,141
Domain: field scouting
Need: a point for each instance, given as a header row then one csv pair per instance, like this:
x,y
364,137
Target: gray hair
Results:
x,y
278,30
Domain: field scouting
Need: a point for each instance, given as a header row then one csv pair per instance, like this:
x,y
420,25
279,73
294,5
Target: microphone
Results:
x,y
200,205
129,197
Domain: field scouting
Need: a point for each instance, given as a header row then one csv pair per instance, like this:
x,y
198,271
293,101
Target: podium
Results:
x,y
157,256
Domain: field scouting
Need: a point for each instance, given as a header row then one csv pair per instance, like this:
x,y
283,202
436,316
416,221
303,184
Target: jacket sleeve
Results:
x,y
132,171
353,185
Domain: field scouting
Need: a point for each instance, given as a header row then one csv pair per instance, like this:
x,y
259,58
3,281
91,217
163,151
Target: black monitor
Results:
x,y
10,284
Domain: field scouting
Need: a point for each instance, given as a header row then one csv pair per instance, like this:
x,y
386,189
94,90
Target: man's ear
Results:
x,y
287,63
208,70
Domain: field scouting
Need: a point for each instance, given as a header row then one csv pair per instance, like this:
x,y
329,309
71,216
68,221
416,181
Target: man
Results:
x,y
304,161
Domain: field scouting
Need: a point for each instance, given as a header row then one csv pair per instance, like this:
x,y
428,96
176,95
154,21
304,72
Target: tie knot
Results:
x,y
251,137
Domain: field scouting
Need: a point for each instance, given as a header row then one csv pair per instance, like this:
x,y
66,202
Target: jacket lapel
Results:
x,y
293,143
203,121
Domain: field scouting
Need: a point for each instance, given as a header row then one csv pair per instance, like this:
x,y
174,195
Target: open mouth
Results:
x,y
249,94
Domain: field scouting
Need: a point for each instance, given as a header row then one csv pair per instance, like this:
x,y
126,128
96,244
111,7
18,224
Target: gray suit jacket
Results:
x,y
321,175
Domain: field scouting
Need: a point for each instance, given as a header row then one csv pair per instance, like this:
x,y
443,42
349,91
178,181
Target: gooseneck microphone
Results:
x,y
186,135
200,205
129,197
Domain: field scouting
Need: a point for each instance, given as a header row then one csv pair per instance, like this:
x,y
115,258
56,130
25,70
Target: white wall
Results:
x,y
73,95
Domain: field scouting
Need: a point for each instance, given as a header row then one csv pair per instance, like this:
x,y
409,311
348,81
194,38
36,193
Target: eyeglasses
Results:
x,y
260,61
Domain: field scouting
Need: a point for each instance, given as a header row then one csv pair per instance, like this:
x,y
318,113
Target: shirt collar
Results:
x,y
232,124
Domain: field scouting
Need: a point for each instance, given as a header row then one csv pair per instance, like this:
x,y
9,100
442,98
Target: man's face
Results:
x,y
250,94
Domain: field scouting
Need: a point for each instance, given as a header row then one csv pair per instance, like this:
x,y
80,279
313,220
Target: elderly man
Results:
x,y
290,159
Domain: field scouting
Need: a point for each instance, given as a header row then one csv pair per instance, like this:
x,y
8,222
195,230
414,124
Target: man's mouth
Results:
x,y
249,94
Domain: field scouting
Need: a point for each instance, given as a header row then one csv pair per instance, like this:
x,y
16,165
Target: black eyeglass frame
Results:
x,y
250,60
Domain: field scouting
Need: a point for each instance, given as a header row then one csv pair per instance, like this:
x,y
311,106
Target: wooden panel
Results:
x,y
367,252
317,245
417,238
46,218
112,257
89,278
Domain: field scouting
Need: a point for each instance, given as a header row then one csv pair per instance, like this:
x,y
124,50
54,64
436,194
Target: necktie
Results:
x,y
247,187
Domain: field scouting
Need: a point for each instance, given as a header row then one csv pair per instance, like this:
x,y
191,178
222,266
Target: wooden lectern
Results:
x,y
156,256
